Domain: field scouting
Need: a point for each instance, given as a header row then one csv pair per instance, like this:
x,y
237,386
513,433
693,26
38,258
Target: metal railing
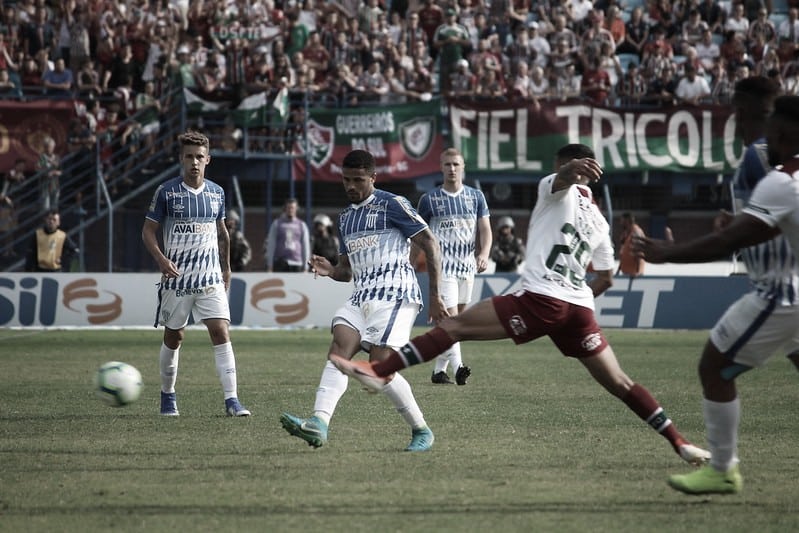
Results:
x,y
94,183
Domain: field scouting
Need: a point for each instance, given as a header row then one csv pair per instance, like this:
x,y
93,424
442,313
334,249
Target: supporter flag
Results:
x,y
252,111
281,103
195,104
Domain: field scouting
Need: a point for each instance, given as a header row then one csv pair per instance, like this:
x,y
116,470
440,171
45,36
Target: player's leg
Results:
x,y
173,314
746,336
479,322
168,358
462,372
605,369
212,308
448,290
580,336
332,384
390,325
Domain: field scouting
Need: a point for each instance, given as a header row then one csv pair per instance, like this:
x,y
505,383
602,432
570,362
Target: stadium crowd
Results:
x,y
357,52
122,61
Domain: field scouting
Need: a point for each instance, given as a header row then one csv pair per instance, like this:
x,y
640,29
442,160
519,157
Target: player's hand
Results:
x,y
169,270
650,250
438,311
585,170
722,220
320,266
482,263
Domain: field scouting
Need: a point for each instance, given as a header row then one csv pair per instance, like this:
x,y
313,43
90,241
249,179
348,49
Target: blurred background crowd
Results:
x,y
357,52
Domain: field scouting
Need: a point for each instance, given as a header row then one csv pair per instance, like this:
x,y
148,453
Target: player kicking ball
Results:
x,y
557,300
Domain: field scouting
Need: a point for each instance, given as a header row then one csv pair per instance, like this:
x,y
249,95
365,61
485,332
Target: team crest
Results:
x,y
321,141
416,136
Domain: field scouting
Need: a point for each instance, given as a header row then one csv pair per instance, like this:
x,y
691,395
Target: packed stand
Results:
x,y
128,56
124,62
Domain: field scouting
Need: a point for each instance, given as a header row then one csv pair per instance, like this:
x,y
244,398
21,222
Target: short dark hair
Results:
x,y
359,159
193,138
758,94
574,151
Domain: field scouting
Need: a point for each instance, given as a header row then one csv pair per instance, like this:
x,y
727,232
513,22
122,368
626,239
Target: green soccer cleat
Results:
x,y
421,440
312,430
708,480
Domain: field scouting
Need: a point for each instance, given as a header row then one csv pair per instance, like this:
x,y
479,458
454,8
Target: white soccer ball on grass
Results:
x,y
118,384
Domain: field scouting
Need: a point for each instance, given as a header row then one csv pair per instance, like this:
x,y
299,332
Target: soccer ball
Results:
x,y
117,384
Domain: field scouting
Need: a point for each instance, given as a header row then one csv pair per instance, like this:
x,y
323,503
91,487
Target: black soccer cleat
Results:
x,y
462,375
441,378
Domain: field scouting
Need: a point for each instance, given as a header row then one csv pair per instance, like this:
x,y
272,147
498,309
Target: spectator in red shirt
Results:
x,y
595,84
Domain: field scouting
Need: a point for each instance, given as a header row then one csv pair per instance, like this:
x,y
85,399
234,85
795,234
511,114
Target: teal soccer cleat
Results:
x,y
312,430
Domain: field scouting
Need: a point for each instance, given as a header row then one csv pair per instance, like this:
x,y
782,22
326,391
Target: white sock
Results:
x,y
332,386
399,392
226,369
168,362
721,424
441,363
455,359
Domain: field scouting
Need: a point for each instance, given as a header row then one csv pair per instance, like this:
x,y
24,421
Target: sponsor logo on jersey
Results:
x,y
362,243
183,228
188,292
454,223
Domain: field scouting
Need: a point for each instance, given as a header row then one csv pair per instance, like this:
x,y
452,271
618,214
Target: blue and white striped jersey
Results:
x,y
188,218
771,266
453,220
375,236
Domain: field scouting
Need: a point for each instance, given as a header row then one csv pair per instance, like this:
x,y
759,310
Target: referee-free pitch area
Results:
x,y
530,444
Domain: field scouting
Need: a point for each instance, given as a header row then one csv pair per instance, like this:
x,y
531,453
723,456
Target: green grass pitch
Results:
x,y
530,444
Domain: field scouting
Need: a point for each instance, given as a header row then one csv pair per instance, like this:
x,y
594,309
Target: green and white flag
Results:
x,y
195,104
281,103
251,112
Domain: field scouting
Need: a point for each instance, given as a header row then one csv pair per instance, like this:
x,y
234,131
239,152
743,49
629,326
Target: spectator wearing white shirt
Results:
x,y
540,44
692,88
790,27
707,50
737,21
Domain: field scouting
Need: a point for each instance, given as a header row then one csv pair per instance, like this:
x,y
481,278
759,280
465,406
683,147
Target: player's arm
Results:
x,y
425,211
602,281
577,171
484,242
744,230
150,240
223,238
428,243
342,271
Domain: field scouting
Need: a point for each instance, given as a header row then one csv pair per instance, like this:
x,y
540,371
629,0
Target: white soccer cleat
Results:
x,y
694,455
360,370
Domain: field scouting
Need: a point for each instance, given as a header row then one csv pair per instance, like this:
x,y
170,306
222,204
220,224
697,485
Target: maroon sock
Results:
x,y
418,350
649,410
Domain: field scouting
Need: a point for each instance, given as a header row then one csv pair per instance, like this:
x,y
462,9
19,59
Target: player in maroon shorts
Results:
x,y
557,300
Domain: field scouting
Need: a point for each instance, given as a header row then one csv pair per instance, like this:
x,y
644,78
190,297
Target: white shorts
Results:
x,y
176,305
751,331
379,323
455,291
